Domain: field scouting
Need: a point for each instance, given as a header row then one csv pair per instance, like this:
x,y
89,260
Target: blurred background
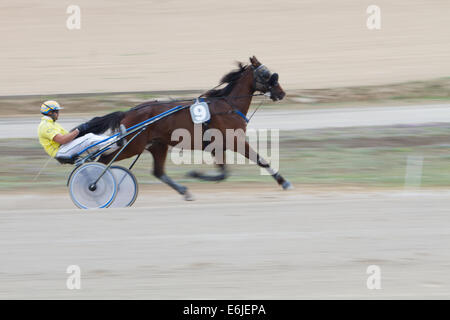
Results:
x,y
366,111
148,45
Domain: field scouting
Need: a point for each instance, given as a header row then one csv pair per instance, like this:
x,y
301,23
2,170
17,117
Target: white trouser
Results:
x,y
76,146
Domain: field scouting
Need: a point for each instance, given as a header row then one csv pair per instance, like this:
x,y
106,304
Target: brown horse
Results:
x,y
228,107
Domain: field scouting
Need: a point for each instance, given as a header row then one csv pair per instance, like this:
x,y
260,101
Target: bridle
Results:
x,y
263,79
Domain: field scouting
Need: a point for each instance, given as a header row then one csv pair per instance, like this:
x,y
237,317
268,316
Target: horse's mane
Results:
x,y
230,79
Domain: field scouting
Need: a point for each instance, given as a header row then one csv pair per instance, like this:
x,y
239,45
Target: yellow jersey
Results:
x,y
47,130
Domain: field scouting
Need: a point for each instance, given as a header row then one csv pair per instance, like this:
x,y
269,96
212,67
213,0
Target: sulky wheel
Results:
x,y
85,194
127,187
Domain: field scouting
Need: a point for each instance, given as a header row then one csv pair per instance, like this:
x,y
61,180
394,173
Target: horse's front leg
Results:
x,y
251,154
220,163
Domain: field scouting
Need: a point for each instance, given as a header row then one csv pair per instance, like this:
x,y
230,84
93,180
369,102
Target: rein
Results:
x,y
236,110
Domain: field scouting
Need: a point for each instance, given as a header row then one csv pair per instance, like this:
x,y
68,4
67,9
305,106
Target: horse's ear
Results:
x,y
255,62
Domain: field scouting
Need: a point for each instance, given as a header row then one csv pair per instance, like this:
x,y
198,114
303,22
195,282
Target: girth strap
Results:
x,y
241,114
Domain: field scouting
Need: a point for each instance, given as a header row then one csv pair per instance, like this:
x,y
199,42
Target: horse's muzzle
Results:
x,y
277,96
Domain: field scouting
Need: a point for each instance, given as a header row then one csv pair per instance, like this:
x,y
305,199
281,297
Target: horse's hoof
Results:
x,y
188,196
193,174
287,185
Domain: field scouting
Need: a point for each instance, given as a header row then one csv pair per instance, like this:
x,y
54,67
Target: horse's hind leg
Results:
x,y
159,153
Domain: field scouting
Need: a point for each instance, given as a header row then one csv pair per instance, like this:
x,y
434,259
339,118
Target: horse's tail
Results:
x,y
111,121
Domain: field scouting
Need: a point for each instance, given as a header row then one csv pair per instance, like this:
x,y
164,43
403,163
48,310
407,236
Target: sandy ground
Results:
x,y
145,45
25,127
232,243
242,241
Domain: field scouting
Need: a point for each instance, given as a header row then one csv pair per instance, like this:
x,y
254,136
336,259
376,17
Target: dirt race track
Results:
x,y
230,244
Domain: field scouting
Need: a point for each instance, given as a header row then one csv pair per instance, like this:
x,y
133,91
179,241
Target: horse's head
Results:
x,y
265,81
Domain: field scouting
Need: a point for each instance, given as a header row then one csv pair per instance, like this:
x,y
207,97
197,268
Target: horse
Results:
x,y
228,109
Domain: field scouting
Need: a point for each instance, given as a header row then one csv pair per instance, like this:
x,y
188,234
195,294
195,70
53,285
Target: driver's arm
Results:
x,y
66,138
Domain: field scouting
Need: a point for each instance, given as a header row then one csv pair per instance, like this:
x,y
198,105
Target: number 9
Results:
x,y
200,113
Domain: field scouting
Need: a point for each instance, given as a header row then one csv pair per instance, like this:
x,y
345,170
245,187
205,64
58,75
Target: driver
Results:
x,y
64,145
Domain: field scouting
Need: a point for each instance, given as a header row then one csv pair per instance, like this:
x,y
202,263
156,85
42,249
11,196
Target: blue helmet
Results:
x,y
49,106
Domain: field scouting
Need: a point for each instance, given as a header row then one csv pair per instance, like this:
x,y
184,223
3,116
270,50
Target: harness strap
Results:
x,y
235,110
241,114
